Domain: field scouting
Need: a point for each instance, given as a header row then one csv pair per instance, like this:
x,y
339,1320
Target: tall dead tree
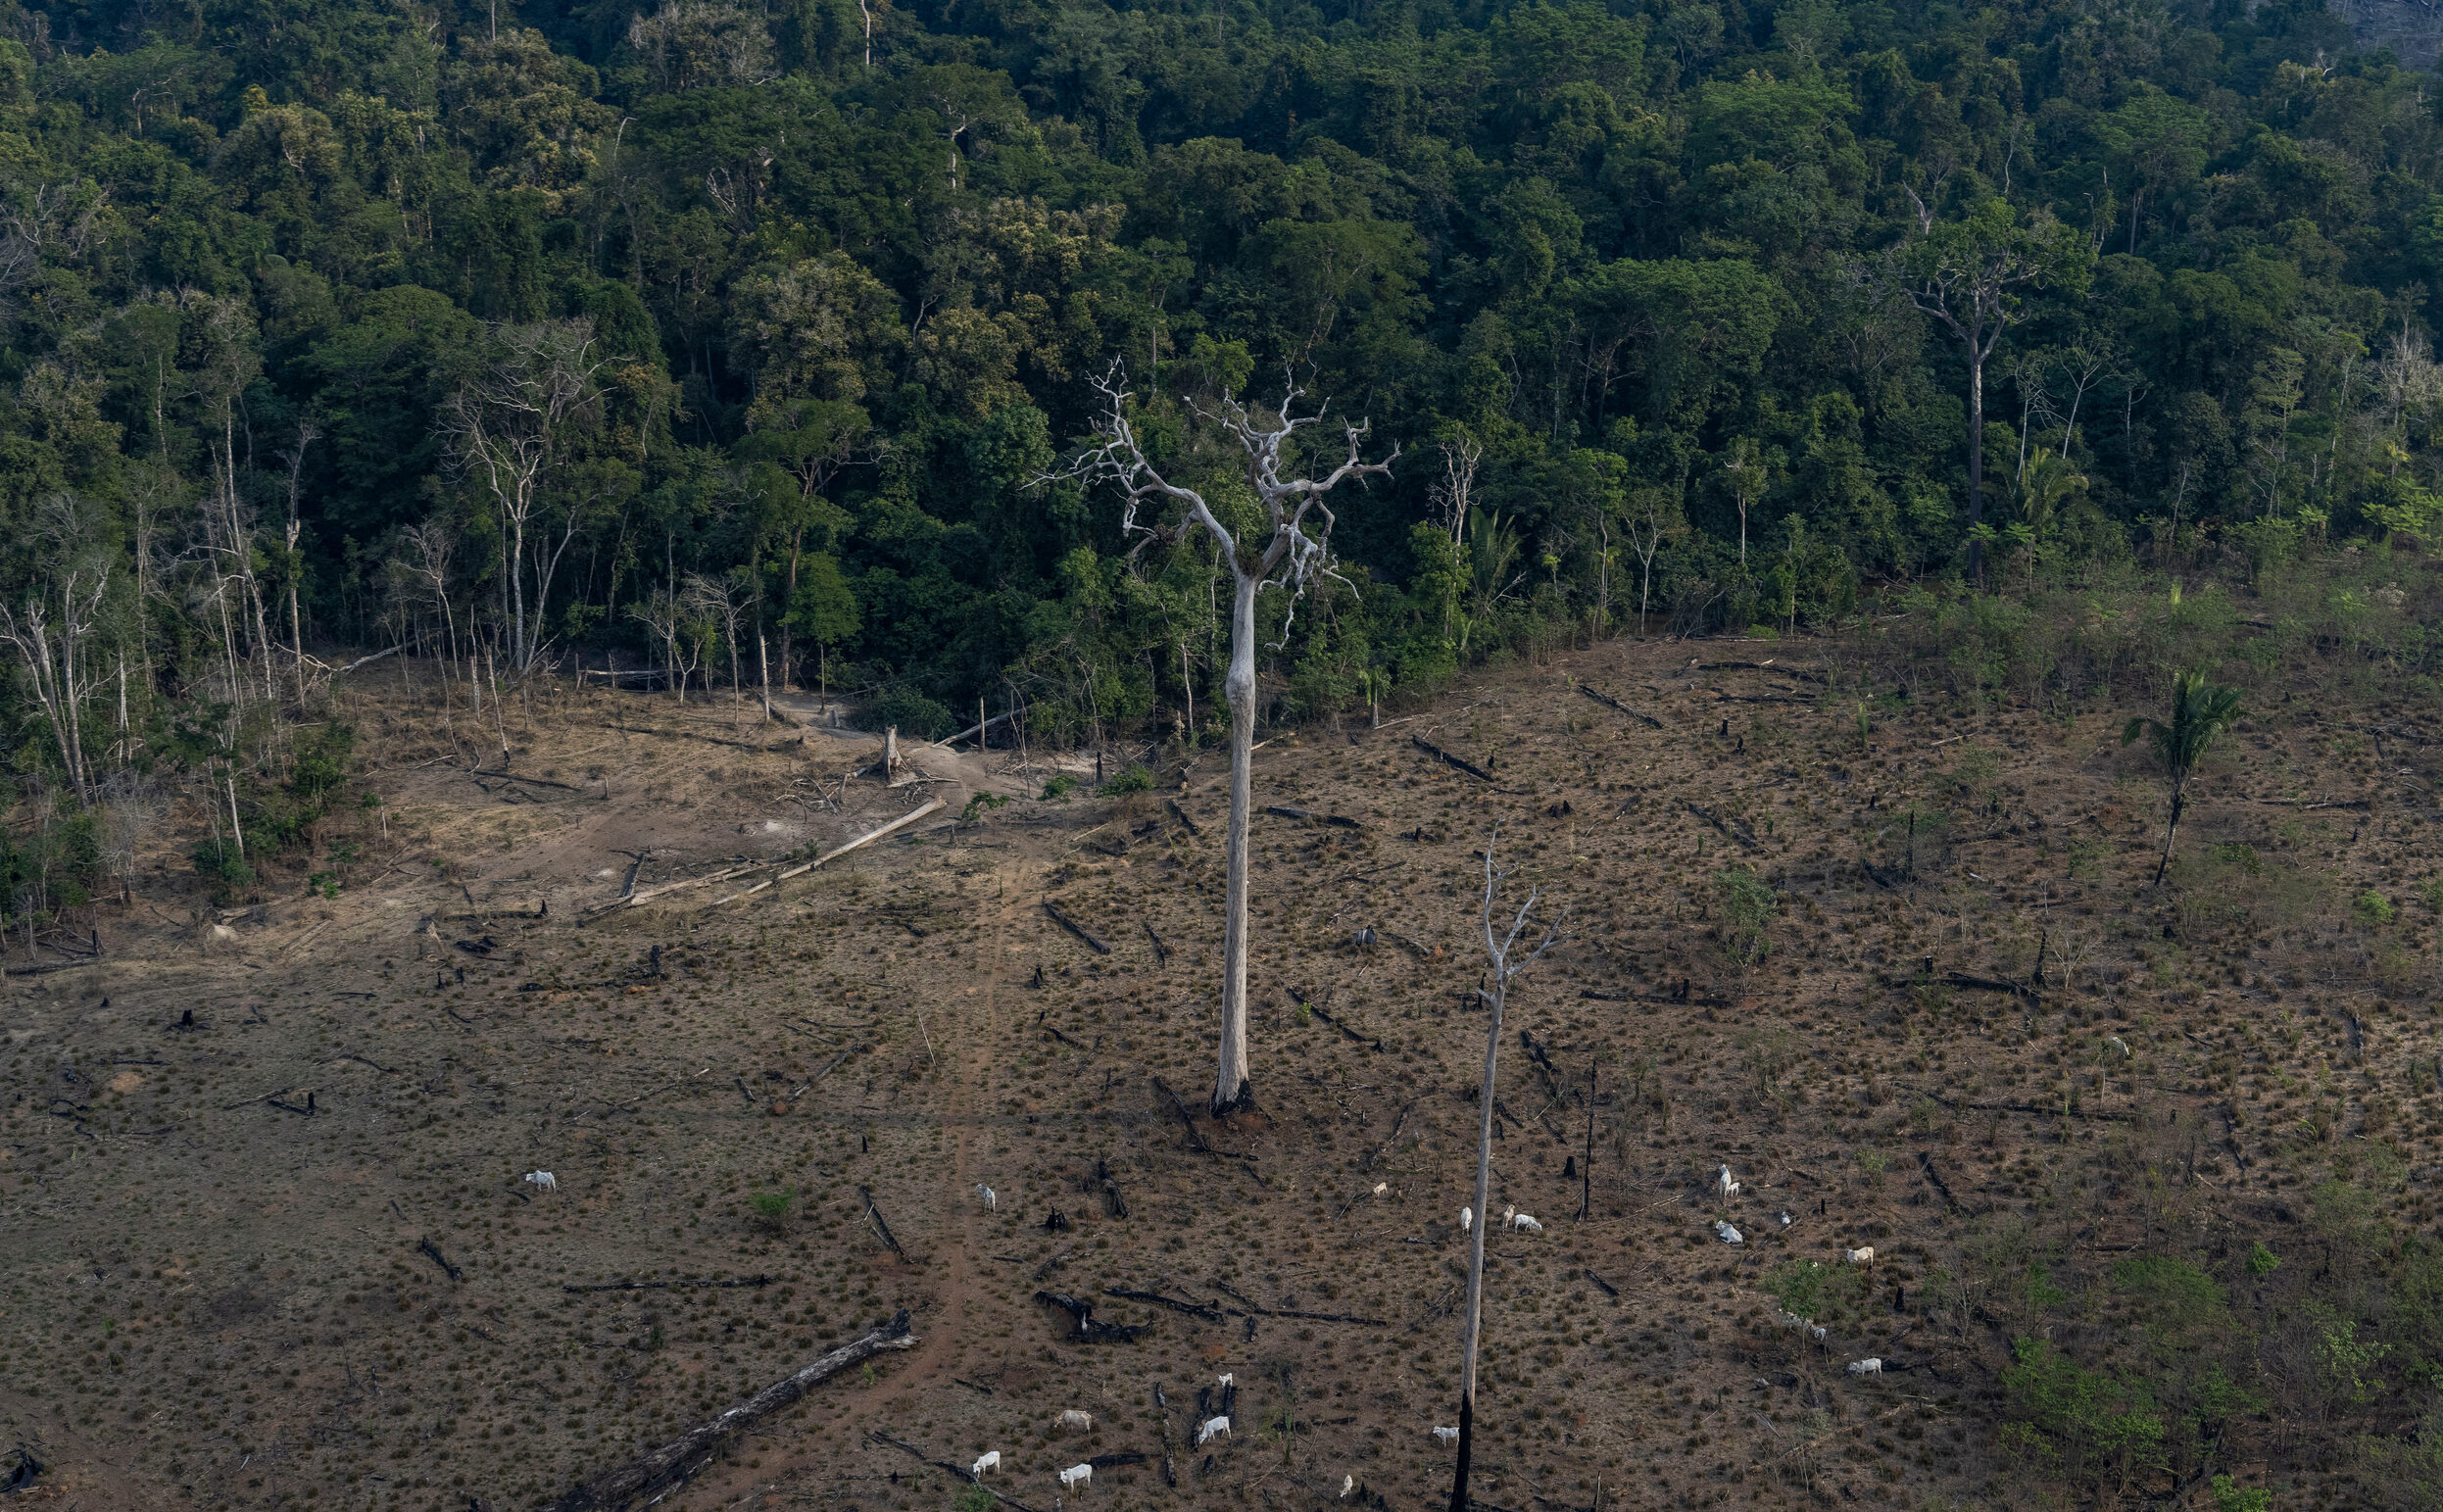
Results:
x,y
506,429
1296,552
56,657
1506,968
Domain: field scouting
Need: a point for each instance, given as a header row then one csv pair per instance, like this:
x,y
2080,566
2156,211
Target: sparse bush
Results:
x,y
1747,908
1136,779
772,1208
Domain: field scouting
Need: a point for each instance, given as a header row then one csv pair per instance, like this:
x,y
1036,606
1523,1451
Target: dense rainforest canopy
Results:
x,y
702,330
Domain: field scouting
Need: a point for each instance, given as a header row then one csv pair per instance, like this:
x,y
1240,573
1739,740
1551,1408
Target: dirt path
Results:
x,y
970,1041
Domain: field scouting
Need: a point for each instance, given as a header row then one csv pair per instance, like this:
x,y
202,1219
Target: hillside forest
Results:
x,y
732,344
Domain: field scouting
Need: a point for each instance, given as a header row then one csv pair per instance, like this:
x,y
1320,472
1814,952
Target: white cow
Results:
x,y
1864,1256
1076,1476
990,1459
1449,1436
1725,1185
1868,1367
543,1180
1211,1426
985,1194
1075,1421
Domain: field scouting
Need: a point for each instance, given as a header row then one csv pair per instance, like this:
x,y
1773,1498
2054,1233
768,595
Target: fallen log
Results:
x,y
963,1472
874,1215
1741,834
1607,1289
426,1248
676,1462
1163,1417
1329,1317
975,729
1926,1163
931,805
1988,984
1609,702
1209,1314
1180,814
1339,820
540,782
1162,951
1075,928
542,909
2036,1110
1196,1136
1317,1009
664,1285
1439,755
1758,666
1196,1139
1088,1331
1066,1039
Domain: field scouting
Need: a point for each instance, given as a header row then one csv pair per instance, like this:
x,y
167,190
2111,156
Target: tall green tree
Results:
x,y
1972,277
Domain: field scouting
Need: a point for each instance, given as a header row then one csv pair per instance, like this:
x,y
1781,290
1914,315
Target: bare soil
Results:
x,y
210,1234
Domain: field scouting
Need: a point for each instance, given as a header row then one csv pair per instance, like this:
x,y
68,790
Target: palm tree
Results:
x,y
2200,712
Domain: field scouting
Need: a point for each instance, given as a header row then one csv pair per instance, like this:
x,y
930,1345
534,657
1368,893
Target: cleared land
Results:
x,y
282,1256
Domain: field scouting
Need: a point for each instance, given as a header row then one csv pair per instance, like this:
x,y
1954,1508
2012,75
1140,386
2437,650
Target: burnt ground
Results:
x,y
217,1298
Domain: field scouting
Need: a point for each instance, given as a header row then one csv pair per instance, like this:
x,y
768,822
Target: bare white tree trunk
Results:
x,y
1297,551
1231,1080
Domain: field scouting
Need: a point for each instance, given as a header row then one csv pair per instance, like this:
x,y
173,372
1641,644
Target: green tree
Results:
x,y
1971,276
823,608
2200,713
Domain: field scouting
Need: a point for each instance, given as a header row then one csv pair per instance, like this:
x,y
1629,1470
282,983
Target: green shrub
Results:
x,y
911,713
1747,907
1136,779
1060,787
221,863
2372,907
2093,1427
772,1208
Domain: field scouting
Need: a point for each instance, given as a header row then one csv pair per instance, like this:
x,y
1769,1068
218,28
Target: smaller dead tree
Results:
x,y
723,603
1507,967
